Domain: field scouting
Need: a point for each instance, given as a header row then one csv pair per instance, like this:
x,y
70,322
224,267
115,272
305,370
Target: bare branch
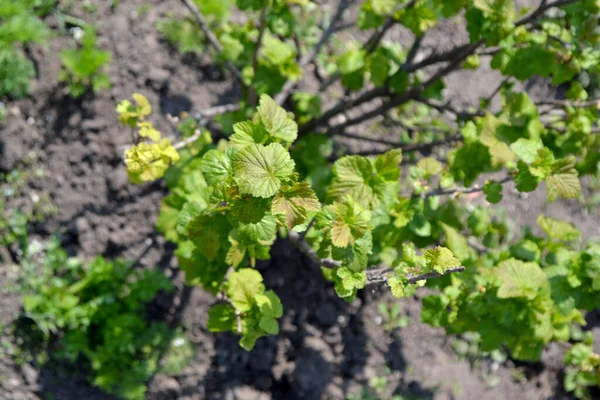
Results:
x,y
212,39
254,62
568,103
542,8
310,56
371,44
375,276
201,117
451,191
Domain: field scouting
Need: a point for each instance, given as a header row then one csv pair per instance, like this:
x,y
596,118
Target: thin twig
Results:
x,y
309,57
217,110
542,8
254,62
202,117
568,103
375,276
371,44
446,192
212,39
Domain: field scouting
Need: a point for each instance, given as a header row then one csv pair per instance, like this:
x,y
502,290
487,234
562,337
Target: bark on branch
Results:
x,y
375,276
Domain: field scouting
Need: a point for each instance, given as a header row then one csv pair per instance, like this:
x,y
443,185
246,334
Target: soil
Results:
x,y
326,349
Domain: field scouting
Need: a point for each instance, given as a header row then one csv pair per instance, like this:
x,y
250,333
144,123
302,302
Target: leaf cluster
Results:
x,y
20,26
146,161
84,65
95,313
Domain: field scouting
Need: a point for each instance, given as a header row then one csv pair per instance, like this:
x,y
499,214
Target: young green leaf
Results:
x,y
295,202
244,285
259,170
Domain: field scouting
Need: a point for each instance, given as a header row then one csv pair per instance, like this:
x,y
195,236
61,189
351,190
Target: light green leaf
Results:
x,y
519,279
295,202
351,280
563,180
387,165
264,231
355,176
351,61
276,120
216,166
237,251
439,259
526,149
247,133
556,229
383,7
457,243
430,166
244,285
350,224
259,170
397,287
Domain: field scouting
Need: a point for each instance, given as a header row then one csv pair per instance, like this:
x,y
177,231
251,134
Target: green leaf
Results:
x,y
457,243
493,192
295,202
383,7
351,61
430,166
204,232
387,165
355,176
221,318
276,120
216,166
435,311
560,230
244,285
264,231
350,224
397,287
351,280
250,210
237,251
399,81
439,259
519,279
270,308
525,181
526,149
247,133
563,180
259,170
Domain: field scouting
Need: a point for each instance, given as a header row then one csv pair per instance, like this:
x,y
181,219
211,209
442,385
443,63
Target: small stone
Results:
x,y
158,77
93,125
167,386
82,225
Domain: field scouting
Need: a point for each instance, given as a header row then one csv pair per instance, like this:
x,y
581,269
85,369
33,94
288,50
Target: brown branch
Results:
x,y
568,103
212,39
375,276
542,8
201,117
309,57
371,44
261,32
451,191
